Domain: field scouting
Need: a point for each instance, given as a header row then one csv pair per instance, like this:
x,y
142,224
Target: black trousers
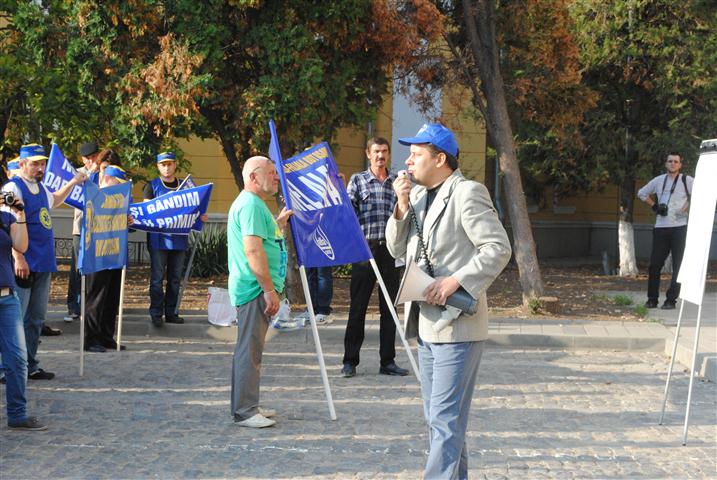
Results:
x,y
363,279
101,306
664,241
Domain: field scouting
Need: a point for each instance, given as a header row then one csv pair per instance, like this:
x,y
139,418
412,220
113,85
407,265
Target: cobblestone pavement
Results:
x,y
161,410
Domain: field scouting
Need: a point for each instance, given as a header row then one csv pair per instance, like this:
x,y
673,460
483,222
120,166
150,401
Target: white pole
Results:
x,y
317,343
399,328
692,375
121,308
82,326
672,359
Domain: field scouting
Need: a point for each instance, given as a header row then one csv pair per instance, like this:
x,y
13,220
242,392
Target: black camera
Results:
x,y
660,209
9,199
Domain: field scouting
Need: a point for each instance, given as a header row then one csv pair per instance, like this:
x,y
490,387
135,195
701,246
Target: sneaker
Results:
x,y
257,421
267,412
30,423
71,317
322,319
303,317
40,374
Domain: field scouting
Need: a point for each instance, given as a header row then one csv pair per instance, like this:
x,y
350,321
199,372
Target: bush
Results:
x,y
211,255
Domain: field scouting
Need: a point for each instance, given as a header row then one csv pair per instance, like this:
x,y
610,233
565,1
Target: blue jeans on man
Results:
x,y
14,355
33,302
171,262
321,287
448,377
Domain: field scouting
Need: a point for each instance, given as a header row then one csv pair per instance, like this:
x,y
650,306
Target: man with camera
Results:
x,y
671,204
34,268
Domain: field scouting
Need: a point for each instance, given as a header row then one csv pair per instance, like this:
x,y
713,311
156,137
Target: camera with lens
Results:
x,y
660,209
9,199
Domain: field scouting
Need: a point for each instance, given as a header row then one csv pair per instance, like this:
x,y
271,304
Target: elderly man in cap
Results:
x,y
89,152
166,251
34,268
449,226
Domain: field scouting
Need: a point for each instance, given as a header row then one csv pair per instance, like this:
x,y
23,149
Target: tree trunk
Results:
x,y
626,236
480,25
228,147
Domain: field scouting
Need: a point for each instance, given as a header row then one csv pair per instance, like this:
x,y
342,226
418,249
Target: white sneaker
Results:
x,y
322,319
257,421
267,412
71,317
303,316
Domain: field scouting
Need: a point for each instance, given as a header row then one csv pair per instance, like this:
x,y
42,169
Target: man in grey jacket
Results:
x,y
467,247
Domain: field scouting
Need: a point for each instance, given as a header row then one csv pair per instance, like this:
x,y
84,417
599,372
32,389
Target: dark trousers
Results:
x,y
75,283
363,280
171,262
664,241
321,288
101,306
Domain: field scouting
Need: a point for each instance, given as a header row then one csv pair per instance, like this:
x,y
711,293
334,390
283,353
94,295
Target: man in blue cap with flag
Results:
x,y
34,268
166,251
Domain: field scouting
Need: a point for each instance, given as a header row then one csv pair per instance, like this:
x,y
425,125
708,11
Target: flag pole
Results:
x,y
121,309
183,285
82,326
399,327
317,343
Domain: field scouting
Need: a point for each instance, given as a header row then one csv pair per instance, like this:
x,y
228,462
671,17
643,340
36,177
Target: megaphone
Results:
x,y
414,283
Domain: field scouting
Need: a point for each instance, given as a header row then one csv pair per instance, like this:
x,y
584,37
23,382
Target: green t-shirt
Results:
x,y
249,215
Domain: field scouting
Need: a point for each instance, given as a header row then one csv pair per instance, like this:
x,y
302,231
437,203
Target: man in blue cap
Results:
x,y
166,251
451,221
34,268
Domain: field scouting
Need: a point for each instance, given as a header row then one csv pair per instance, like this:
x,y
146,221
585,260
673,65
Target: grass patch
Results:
x,y
599,298
622,300
535,305
641,311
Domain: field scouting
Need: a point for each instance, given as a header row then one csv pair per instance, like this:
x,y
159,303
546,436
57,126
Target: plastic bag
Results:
x,y
282,320
220,309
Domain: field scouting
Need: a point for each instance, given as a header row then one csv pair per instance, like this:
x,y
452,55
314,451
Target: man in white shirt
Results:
x,y
672,192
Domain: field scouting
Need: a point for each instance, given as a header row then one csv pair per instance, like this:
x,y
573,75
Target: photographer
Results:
x,y
672,192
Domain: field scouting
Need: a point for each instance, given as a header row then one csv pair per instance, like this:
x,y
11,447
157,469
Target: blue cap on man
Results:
x,y
435,134
32,152
166,157
116,172
13,165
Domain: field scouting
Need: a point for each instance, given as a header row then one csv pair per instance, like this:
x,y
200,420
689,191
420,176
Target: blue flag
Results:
x,y
176,212
103,241
59,172
324,226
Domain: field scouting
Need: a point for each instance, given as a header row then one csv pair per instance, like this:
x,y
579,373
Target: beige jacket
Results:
x,y
466,240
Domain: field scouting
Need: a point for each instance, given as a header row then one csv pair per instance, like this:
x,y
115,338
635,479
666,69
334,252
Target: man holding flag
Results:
x,y
35,267
257,269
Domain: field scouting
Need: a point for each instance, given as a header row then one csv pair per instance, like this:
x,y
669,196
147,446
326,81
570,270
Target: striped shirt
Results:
x,y
373,202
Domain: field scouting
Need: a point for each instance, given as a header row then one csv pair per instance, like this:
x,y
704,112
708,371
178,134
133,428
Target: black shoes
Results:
x,y
113,346
30,423
393,369
348,371
174,319
40,374
651,304
668,305
48,331
157,321
95,348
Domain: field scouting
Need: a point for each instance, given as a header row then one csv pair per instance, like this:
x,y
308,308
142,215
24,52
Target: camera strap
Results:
x,y
672,190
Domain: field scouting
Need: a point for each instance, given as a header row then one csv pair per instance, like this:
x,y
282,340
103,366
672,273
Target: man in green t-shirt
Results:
x,y
257,268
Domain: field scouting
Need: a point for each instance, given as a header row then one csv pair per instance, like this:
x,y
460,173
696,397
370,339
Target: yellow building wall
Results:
x,y
470,134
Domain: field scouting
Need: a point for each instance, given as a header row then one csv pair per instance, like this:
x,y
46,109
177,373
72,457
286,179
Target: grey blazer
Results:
x,y
464,239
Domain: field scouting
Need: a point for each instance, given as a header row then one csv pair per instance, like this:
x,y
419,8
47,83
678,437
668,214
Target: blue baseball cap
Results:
x,y
435,134
32,152
166,157
115,171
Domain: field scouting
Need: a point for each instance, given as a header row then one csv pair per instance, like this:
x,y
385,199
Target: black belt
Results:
x,y
376,243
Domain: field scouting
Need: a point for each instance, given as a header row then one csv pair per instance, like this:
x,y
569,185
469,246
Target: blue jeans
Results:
x,y
33,304
14,355
171,262
448,377
321,287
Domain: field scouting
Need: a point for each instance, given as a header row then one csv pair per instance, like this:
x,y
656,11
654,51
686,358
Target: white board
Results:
x,y
693,270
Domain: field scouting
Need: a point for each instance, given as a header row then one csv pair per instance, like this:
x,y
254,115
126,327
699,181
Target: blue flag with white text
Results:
x,y
58,172
175,212
103,241
325,229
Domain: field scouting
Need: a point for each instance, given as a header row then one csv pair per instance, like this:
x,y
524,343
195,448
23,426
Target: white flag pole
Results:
x,y
121,309
82,326
692,375
399,327
672,359
317,343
